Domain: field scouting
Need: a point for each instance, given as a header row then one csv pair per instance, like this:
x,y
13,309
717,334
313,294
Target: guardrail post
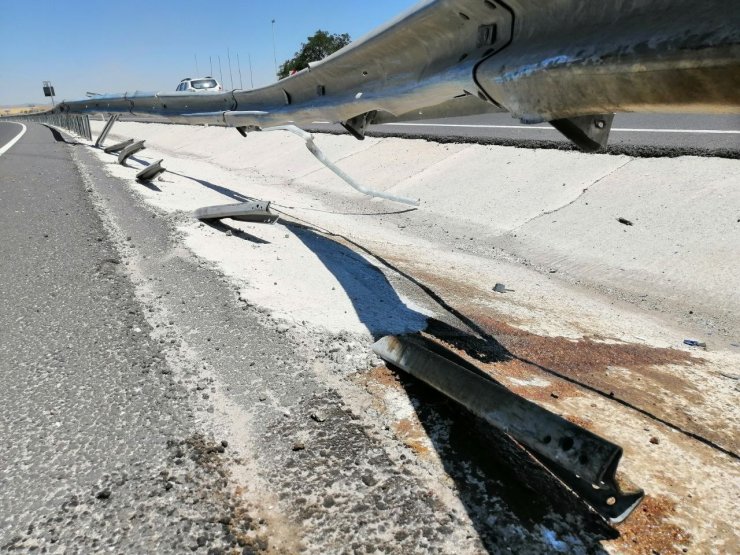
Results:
x,y
151,171
130,150
88,131
108,126
118,146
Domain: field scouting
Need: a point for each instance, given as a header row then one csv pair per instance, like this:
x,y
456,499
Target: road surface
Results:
x,y
94,423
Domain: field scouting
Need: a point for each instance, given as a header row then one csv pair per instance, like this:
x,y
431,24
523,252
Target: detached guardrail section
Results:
x,y
76,123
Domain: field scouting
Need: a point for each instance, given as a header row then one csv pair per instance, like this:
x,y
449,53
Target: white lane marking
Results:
x,y
14,140
543,128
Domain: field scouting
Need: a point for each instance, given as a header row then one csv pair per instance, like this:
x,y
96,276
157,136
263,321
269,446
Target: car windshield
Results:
x,y
203,84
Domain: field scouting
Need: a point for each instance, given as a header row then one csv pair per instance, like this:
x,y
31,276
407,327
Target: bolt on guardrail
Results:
x,y
75,123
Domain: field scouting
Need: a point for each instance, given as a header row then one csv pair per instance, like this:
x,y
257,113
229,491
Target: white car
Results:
x,y
199,84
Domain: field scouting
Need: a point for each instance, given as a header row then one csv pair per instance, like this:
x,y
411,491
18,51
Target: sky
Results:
x,y
109,46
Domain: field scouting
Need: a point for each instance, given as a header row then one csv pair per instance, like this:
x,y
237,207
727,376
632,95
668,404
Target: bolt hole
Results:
x,y
364,73
462,57
583,459
600,124
566,443
465,17
611,501
546,440
490,4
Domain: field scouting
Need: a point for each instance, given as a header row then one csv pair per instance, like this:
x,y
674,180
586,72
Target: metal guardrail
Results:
x,y
569,62
76,123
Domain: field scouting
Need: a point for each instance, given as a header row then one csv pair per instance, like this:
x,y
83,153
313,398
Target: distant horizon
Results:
x,y
89,46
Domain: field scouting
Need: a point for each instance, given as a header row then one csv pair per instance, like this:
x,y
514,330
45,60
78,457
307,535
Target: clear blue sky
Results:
x,y
110,46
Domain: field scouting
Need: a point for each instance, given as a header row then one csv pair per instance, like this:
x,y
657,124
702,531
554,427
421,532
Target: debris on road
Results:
x,y
695,343
580,459
624,221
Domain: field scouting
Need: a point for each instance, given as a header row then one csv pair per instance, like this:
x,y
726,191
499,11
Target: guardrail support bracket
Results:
x,y
118,146
151,171
357,125
129,151
255,211
589,133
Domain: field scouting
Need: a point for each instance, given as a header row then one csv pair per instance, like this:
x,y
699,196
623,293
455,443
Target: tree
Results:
x,y
316,48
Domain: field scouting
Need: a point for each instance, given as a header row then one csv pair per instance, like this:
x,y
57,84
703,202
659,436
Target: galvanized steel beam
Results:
x,y
549,61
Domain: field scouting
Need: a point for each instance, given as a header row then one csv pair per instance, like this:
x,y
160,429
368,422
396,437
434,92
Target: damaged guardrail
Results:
x,y
571,63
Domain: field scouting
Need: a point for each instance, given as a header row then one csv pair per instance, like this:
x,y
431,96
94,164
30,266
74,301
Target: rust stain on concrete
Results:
x,y
649,530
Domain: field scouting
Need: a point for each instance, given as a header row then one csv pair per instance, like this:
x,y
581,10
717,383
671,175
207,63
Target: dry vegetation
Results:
x,y
21,110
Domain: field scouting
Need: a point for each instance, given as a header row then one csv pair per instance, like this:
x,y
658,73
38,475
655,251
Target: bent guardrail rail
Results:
x,y
571,63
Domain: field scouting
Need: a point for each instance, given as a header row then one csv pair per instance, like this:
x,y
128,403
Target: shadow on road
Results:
x,y
492,474
374,299
225,228
218,188
149,185
58,137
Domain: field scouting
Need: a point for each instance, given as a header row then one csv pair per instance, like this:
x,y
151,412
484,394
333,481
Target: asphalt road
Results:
x,y
8,132
664,132
93,423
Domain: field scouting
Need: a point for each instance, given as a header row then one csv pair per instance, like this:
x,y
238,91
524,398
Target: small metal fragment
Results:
x,y
129,151
250,211
118,146
151,171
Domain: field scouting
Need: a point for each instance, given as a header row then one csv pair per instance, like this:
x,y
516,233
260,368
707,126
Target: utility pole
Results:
x,y
210,59
274,50
220,71
228,54
251,76
197,69
239,65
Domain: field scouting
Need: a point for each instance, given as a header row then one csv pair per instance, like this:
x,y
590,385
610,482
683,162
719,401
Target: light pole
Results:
x,y
274,50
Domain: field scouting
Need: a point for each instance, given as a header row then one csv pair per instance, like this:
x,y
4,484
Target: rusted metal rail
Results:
x,y
583,461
